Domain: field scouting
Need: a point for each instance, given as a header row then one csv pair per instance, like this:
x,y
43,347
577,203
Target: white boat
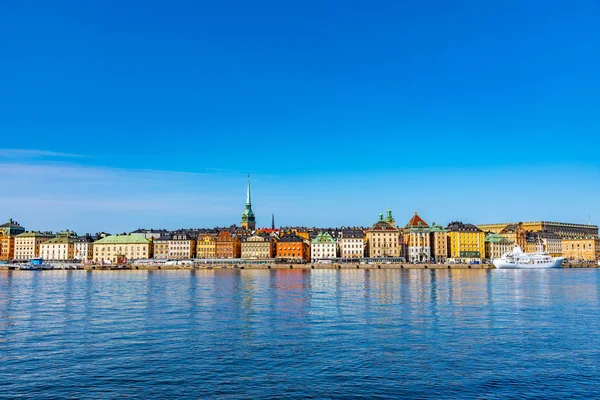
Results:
x,y
518,259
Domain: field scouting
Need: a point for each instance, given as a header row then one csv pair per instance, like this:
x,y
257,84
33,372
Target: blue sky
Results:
x,y
117,115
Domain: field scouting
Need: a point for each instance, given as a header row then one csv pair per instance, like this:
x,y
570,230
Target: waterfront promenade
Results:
x,y
279,266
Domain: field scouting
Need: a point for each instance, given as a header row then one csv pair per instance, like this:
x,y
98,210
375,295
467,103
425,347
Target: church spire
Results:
x,y
272,221
248,202
248,219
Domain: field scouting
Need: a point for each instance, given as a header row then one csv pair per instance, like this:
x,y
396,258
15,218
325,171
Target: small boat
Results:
x,y
520,260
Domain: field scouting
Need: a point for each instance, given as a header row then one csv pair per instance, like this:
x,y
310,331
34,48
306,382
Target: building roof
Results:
x,y
84,239
457,226
35,234
323,238
132,238
382,226
11,224
496,238
59,240
183,236
256,238
416,222
291,238
352,234
437,228
511,228
141,230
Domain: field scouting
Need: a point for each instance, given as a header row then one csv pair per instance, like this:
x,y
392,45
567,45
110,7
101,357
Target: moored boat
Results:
x,y
520,260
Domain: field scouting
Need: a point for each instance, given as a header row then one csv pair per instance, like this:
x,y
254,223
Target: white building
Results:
x,y
61,248
27,244
323,247
352,244
83,248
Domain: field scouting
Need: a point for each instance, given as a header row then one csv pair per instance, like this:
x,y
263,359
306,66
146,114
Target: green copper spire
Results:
x,y
248,219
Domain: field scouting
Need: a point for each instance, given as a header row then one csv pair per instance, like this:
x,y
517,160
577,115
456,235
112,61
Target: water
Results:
x,y
298,334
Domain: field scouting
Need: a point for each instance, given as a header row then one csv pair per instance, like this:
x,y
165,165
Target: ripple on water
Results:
x,y
297,334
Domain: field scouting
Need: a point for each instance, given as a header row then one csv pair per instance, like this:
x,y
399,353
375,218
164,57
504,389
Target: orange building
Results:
x,y
8,232
228,245
293,247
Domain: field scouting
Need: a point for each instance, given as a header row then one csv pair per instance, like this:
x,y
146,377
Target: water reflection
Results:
x,y
245,333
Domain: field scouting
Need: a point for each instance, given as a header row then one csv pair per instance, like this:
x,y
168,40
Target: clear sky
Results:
x,y
116,115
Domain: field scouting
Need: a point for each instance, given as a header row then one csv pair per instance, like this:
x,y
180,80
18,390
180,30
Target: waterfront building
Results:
x,y
161,246
497,245
83,248
248,218
352,243
152,233
182,244
258,247
467,242
580,248
439,242
60,248
516,233
552,243
301,231
27,244
121,248
228,245
383,239
562,229
8,232
206,245
322,247
417,239
293,247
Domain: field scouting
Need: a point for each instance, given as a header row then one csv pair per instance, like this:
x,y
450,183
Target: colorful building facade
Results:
x,y
417,240
121,248
228,245
323,247
351,243
258,247
8,232
467,242
383,239
206,245
293,247
27,244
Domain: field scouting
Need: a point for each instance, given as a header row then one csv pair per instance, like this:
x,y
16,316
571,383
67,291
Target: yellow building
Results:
x,y
161,246
119,248
515,233
258,247
206,246
562,229
583,248
60,248
467,242
27,245
439,241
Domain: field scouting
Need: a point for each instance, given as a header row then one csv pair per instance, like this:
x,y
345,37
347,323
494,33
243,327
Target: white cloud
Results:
x,y
35,154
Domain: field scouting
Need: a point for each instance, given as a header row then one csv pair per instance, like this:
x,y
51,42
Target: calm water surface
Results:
x,y
298,334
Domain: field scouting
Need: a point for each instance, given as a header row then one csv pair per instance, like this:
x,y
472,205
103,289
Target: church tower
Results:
x,y
248,219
